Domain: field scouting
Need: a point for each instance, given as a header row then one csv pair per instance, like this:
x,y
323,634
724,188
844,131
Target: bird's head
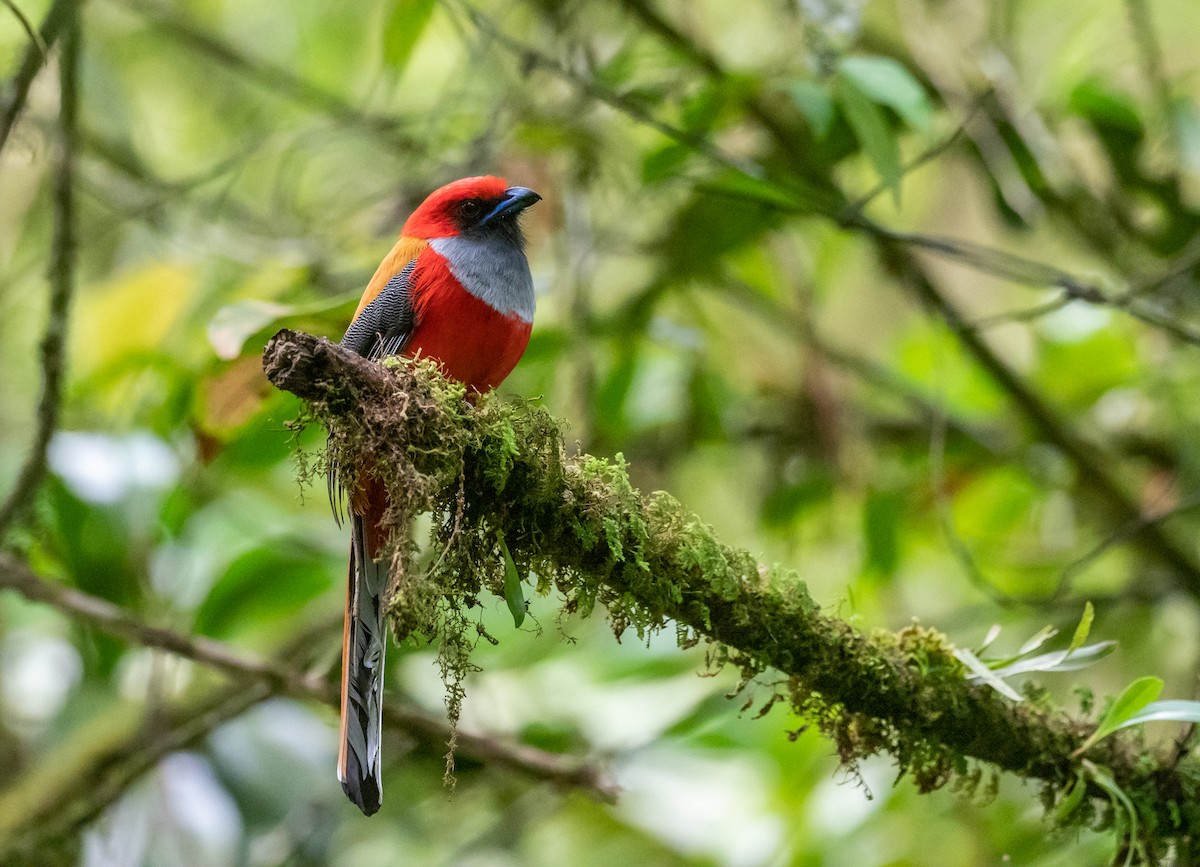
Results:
x,y
482,207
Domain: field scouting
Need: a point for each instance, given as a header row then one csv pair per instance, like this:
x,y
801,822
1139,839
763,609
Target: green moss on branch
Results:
x,y
577,523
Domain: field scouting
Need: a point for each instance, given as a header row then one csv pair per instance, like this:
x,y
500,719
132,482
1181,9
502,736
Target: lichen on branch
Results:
x,y
493,469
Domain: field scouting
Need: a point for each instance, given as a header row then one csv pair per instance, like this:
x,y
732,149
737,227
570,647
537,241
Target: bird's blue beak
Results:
x,y
515,200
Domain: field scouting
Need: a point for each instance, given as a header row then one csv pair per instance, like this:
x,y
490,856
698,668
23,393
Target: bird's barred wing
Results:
x,y
383,326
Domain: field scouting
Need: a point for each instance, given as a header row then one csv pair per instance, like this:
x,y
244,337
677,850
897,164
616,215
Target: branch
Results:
x,y
256,679
31,63
116,621
578,524
42,812
62,272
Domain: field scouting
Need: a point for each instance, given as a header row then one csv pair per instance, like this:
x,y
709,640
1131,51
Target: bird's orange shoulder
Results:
x,y
405,250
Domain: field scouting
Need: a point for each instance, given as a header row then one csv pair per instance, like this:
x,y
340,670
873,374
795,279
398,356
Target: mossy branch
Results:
x,y
577,523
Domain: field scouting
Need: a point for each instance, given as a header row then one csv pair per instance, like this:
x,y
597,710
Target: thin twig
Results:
x,y
926,156
1180,265
1122,534
35,38
31,64
989,260
1023,314
62,280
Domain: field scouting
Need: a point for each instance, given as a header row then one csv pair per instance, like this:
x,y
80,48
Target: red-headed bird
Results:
x,y
455,288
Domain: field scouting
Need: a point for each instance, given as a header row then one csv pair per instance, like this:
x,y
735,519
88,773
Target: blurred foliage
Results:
x,y
722,299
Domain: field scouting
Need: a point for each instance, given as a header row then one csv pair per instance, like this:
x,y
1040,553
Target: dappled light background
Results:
x,y
737,290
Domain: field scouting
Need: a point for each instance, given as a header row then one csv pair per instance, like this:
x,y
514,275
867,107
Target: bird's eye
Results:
x,y
470,209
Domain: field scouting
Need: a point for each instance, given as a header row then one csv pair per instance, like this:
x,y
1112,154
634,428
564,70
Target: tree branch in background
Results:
x,y
257,679
35,38
49,806
62,268
118,622
578,524
31,63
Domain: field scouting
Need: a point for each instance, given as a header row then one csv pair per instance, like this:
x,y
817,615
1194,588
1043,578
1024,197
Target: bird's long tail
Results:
x,y
364,643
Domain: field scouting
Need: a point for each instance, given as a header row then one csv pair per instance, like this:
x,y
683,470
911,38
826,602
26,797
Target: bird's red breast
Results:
x,y
475,343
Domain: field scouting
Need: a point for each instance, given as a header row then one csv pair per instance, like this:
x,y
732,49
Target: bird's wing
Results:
x,y
383,326
384,317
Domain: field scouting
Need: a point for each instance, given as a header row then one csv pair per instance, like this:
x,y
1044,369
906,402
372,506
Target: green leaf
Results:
x,y
513,595
708,228
871,129
982,672
785,503
1105,107
736,185
234,324
1175,710
1121,802
263,585
1058,660
1134,698
1084,627
403,29
815,104
991,636
1043,635
665,163
1072,798
888,83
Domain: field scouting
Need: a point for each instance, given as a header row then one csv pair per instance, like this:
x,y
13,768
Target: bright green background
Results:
x,y
245,166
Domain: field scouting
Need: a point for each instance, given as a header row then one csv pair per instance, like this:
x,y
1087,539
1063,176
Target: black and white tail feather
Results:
x,y
364,649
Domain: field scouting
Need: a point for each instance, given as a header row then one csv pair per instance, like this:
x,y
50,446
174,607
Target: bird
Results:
x,y
456,288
